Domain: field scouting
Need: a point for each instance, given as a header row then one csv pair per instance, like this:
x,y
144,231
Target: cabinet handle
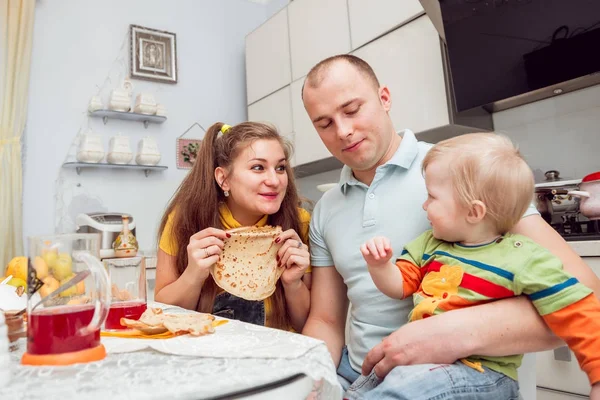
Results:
x,y
562,354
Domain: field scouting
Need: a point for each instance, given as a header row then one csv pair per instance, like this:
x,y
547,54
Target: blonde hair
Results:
x,y
489,168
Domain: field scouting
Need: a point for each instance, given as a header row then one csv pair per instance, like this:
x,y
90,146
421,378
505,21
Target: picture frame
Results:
x,y
187,152
152,54
187,149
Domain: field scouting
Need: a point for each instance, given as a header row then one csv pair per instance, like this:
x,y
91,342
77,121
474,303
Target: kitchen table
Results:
x,y
237,357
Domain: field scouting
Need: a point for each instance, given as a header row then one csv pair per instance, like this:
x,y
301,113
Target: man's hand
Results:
x,y
377,251
595,394
409,345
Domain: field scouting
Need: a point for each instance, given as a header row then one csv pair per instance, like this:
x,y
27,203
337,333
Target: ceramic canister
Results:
x,y
90,148
119,150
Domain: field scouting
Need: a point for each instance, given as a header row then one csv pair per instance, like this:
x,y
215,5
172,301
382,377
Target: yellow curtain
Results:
x,y
16,34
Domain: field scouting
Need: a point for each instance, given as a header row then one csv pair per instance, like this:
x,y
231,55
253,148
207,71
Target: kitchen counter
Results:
x,y
586,248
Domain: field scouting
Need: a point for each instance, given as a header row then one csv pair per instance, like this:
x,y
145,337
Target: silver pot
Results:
x,y
552,196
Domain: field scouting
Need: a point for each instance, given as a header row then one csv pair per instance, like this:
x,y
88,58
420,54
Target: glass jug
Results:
x,y
64,322
128,290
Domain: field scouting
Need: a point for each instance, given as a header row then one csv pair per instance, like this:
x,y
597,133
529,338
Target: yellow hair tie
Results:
x,y
225,128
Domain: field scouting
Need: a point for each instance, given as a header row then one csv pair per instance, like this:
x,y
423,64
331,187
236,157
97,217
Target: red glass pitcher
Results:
x,y
68,300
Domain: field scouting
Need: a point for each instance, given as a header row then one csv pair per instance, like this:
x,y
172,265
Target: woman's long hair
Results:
x,y
195,204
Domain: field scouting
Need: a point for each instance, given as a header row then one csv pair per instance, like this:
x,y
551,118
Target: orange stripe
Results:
x,y
456,302
412,275
579,326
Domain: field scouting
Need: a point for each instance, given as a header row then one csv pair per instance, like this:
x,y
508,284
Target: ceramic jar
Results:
x,y
125,244
119,150
161,111
90,148
120,99
95,104
145,104
147,152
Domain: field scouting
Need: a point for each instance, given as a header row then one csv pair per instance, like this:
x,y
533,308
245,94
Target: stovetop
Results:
x,y
572,229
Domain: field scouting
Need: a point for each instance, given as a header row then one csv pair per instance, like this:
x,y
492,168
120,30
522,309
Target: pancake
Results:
x,y
247,267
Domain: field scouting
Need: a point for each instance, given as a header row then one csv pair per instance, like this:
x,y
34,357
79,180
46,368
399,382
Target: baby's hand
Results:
x,y
377,251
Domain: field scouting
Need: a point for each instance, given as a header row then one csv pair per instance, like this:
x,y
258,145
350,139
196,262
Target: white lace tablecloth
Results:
x,y
157,369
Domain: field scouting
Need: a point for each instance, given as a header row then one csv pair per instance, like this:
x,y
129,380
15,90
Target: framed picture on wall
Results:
x,y
152,54
187,149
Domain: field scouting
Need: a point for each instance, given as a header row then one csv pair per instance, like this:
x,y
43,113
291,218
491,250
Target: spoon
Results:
x,y
8,278
72,282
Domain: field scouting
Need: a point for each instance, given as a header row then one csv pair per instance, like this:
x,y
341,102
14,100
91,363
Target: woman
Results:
x,y
241,177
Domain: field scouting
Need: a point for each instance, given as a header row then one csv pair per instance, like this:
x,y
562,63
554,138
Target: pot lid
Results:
x,y
553,180
559,183
595,176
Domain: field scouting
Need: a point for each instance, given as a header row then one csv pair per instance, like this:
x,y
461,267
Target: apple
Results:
x,y
50,256
63,267
73,290
50,285
16,282
41,267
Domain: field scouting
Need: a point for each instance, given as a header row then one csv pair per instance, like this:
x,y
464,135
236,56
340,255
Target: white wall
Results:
x,y
307,186
560,133
273,6
81,49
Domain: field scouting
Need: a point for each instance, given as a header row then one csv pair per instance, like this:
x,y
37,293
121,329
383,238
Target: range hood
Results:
x,y
558,53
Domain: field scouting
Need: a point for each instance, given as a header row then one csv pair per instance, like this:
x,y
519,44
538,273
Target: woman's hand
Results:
x,y
293,256
204,250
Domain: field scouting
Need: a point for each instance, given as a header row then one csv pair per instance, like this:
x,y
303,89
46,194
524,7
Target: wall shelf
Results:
x,y
129,116
146,168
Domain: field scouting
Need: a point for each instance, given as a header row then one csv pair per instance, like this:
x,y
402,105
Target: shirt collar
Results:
x,y
403,157
229,222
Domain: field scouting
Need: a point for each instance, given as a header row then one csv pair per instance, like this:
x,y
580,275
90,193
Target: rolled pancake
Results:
x,y
247,267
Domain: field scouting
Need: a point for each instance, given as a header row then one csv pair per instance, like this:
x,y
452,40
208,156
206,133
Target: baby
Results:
x,y
478,188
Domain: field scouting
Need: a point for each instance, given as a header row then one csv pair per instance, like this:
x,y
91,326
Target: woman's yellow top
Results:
x,y
169,245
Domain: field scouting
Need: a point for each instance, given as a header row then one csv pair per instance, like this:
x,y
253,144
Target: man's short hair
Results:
x,y
489,168
319,72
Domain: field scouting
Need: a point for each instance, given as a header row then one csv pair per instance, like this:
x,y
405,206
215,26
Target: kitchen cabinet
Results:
x,y
309,147
559,370
410,61
318,29
276,109
370,19
268,66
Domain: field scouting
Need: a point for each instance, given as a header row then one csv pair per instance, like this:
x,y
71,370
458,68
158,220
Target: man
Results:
x,y
381,191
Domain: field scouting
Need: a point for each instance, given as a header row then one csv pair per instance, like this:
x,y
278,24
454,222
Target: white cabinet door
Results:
x,y
268,57
309,146
318,29
275,109
409,61
370,19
